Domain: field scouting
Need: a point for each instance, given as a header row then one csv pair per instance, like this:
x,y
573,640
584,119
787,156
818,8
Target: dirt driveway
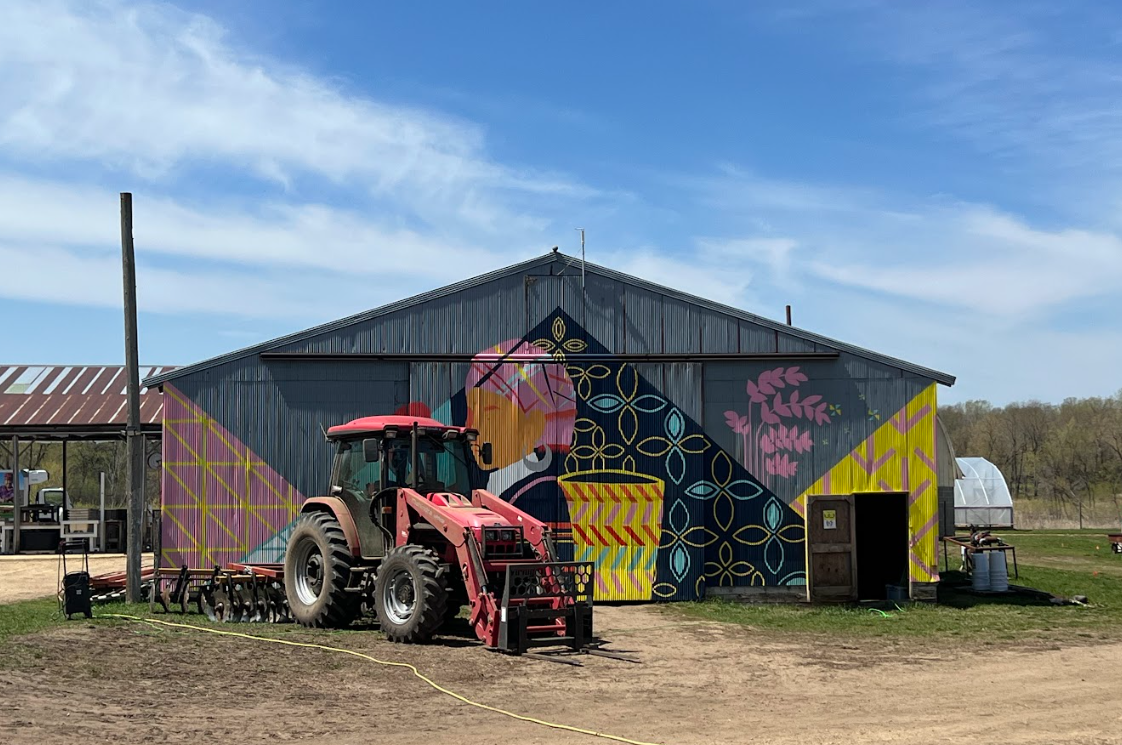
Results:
x,y
36,576
700,683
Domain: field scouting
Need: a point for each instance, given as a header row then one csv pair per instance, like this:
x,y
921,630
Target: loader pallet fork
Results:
x,y
546,605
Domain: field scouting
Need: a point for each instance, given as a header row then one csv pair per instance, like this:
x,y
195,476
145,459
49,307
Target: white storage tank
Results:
x,y
999,572
980,577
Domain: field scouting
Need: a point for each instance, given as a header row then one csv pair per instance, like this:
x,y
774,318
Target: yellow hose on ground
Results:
x,y
387,663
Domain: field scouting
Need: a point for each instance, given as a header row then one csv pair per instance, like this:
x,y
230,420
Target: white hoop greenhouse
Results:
x,y
981,496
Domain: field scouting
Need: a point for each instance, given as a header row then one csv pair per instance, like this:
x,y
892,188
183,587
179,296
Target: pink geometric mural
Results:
x,y
229,505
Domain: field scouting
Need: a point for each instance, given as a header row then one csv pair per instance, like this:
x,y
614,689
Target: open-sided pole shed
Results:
x,y
65,403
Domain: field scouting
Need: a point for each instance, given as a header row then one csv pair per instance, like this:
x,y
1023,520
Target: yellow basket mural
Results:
x,y
617,523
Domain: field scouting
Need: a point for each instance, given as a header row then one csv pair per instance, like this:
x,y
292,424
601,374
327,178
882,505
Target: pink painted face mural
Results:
x,y
522,402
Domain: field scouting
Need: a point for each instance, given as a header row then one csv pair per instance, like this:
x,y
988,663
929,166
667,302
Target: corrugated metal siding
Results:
x,y
273,414
756,339
463,323
683,388
643,329
788,343
277,407
681,332
719,335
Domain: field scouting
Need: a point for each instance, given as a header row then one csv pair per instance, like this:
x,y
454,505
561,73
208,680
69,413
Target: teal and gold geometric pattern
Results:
x,y
720,525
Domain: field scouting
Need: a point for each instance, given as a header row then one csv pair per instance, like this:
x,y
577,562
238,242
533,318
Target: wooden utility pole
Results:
x,y
134,438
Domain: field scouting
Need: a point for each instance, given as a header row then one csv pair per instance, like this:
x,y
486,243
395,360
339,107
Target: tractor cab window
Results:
x,y
442,465
353,473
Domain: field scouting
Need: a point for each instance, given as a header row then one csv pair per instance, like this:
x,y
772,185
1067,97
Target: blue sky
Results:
x,y
939,182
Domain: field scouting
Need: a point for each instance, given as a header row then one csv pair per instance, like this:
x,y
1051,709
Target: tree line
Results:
x,y
1067,454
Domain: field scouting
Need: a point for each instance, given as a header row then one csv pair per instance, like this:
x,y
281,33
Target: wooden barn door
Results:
x,y
831,548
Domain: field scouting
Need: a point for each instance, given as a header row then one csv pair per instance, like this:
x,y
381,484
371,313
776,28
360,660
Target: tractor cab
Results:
x,y
378,453
377,456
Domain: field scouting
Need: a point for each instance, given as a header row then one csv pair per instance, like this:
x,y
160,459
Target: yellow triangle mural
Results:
x,y
898,457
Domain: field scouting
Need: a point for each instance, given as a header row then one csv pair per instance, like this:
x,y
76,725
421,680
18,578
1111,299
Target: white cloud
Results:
x,y
82,279
983,260
1037,82
245,242
956,254
150,96
152,89
404,199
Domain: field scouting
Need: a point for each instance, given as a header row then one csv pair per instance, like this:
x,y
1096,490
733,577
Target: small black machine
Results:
x,y
74,590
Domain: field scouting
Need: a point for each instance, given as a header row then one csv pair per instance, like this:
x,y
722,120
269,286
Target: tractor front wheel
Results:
x,y
410,594
317,568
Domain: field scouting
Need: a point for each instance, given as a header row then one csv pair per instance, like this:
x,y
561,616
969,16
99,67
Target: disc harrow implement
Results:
x,y
245,593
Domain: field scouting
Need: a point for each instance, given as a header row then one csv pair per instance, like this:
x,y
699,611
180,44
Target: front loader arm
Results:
x,y
484,604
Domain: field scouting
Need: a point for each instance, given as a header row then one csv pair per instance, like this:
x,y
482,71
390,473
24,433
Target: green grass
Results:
x,y
1064,565
28,617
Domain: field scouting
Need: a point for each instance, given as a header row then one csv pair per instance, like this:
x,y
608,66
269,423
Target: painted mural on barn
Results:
x,y
628,479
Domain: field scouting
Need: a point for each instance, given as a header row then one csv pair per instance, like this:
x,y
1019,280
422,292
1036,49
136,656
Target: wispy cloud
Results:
x,y
153,90
953,253
1037,83
363,200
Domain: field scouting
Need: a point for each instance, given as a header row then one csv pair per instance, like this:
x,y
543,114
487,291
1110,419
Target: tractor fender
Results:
x,y
339,510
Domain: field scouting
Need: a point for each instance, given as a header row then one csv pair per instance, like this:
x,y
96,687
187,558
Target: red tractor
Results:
x,y
402,532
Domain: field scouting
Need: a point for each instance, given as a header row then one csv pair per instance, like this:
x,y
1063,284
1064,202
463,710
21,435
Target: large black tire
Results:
x,y
317,568
410,594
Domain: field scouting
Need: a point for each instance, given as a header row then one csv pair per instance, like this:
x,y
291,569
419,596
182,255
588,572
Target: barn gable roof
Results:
x,y
548,259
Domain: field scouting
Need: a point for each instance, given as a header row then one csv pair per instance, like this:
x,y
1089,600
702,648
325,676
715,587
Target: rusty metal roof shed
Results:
x,y
56,402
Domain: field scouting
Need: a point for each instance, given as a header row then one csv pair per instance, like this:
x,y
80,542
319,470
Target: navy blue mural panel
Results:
x,y
789,424
719,525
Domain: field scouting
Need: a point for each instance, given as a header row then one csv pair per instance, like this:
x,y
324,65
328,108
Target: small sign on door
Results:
x,y
830,519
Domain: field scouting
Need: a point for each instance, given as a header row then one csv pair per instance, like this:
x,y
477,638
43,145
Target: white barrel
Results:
x,y
999,572
981,576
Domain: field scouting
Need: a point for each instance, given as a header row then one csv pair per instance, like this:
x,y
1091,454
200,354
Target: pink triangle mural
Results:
x,y
229,504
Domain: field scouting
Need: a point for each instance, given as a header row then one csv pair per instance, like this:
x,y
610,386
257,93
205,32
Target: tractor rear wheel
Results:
x,y
317,568
410,594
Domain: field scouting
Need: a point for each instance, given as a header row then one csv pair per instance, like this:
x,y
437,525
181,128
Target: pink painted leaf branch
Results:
x,y
773,392
736,421
781,465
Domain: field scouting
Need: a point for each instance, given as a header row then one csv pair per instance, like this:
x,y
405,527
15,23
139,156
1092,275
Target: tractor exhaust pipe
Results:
x,y
416,444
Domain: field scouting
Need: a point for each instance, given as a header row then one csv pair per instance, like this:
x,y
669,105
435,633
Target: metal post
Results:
x,y
414,462
17,493
788,315
65,490
134,438
101,516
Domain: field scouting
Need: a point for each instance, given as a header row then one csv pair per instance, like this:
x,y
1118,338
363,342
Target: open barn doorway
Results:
x,y
881,522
